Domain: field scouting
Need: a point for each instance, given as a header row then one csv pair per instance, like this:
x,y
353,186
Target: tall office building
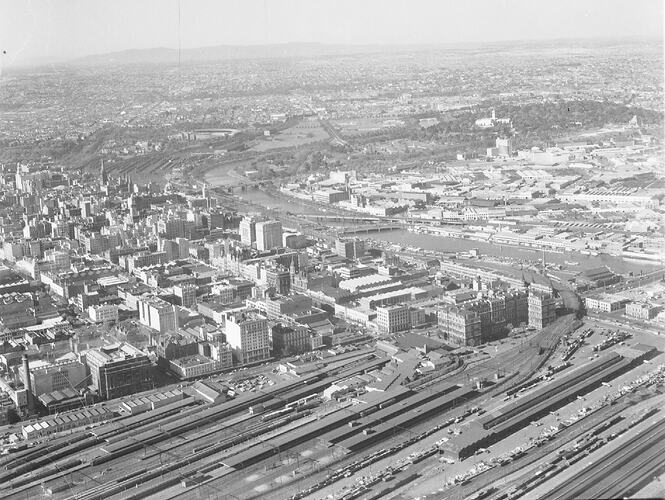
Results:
x,y
186,294
542,309
393,319
268,235
350,249
292,338
119,370
175,228
517,307
183,247
157,314
86,208
248,334
171,248
247,231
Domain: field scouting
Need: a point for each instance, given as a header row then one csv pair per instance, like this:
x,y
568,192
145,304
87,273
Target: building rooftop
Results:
x,y
9,298
394,293
412,340
194,360
609,297
56,396
242,316
392,307
597,272
155,301
116,352
112,281
364,281
46,367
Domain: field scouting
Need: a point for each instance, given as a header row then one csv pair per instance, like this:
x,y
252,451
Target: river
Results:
x,y
431,242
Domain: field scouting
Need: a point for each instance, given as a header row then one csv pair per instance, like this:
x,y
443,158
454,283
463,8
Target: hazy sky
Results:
x,y
68,28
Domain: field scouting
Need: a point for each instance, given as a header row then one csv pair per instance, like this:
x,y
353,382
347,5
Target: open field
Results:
x,y
360,125
304,132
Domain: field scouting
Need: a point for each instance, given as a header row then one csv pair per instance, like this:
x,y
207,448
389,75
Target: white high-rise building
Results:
x,y
268,235
247,231
248,334
157,314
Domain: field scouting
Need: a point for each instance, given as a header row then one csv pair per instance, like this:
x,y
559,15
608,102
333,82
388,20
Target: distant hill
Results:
x,y
304,50
225,52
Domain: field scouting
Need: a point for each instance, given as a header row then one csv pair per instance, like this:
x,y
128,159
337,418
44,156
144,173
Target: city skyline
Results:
x,y
44,30
302,249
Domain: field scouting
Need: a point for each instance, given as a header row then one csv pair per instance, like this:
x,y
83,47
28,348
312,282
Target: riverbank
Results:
x,y
527,256
523,255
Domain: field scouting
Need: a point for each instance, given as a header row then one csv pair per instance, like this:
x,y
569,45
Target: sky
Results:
x,y
66,29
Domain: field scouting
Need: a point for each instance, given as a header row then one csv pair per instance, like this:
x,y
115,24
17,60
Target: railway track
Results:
x,y
610,474
208,432
629,481
567,436
164,475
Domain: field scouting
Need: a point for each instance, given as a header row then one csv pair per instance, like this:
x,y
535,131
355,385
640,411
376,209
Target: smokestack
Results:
x,y
26,373
27,383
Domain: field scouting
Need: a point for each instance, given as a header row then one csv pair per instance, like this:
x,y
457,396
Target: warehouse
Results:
x,y
605,302
128,423
65,421
182,423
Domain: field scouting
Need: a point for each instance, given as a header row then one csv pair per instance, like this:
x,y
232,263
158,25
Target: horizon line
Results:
x,y
64,61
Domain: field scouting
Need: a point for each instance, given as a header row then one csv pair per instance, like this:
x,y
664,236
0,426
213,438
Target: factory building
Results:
x,y
605,303
45,378
595,278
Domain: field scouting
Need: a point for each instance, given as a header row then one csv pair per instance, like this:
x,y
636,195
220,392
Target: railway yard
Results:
x,y
336,255
509,426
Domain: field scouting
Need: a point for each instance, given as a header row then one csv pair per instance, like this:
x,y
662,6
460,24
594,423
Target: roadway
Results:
x,y
330,130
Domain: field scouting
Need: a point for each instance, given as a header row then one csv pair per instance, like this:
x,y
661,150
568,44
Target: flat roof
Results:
x,y
370,279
